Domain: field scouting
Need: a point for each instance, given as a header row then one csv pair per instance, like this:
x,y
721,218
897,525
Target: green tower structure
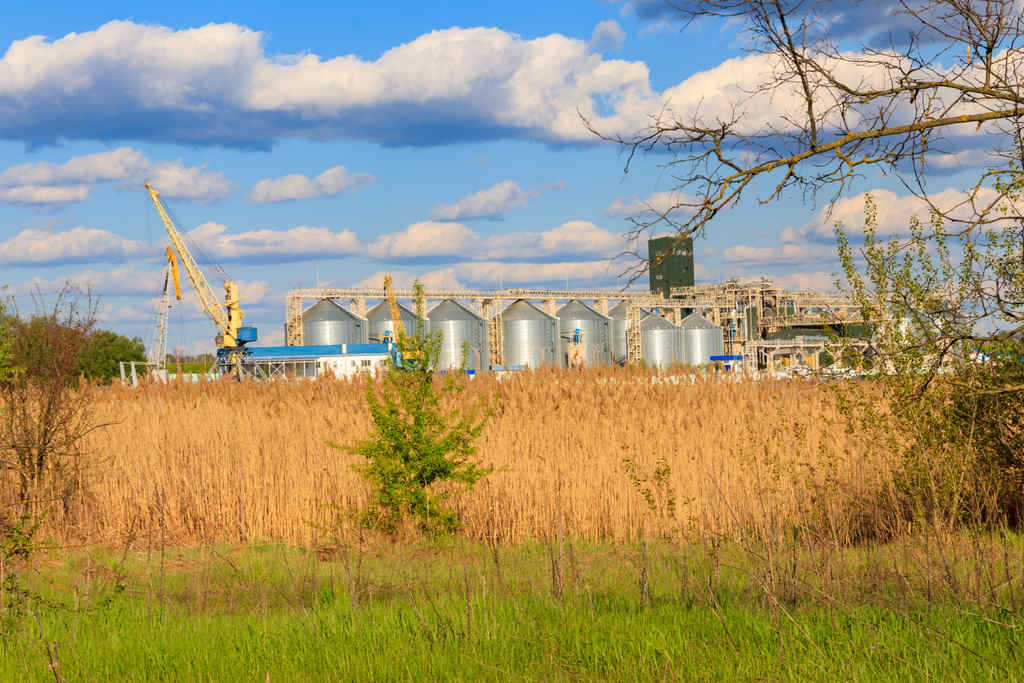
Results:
x,y
671,263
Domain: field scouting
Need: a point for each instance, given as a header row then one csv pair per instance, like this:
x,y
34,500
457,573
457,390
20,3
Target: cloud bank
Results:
x,y
303,243
424,242
437,242
216,85
485,274
333,181
37,246
488,203
43,182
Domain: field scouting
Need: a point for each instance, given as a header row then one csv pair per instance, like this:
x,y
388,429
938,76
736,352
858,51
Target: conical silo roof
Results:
x,y
380,320
524,310
695,321
449,309
577,310
325,309
653,321
382,311
621,310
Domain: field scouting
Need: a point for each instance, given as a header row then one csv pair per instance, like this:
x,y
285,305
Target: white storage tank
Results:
x,y
661,342
530,336
458,324
594,327
379,318
326,323
701,340
619,325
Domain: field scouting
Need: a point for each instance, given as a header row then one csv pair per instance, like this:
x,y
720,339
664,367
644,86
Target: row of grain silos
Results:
x,y
693,342
327,323
532,337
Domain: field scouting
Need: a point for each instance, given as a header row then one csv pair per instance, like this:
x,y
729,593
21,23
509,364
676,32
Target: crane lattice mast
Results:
x,y
157,355
226,317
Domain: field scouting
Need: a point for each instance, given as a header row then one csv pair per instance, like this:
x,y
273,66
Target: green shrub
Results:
x,y
422,448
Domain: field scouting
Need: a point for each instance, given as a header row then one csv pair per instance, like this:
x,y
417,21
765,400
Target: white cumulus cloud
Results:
x,y
423,241
43,182
669,203
487,203
435,279
123,281
216,84
894,213
578,273
274,246
331,182
818,281
434,241
38,246
786,254
608,36
486,274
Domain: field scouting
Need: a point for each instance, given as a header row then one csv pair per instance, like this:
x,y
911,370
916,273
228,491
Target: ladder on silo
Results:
x,y
496,331
633,349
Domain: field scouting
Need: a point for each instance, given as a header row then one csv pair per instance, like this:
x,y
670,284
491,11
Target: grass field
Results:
x,y
228,463
636,526
459,611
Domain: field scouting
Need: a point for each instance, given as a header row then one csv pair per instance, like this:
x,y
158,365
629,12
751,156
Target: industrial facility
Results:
x,y
734,326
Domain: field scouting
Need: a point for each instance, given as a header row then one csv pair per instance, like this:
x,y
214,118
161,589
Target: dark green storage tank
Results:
x,y
671,263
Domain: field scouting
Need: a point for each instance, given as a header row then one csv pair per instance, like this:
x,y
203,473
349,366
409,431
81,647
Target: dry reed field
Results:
x,y
572,454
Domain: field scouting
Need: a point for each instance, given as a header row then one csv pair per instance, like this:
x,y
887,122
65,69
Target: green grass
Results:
x,y
460,612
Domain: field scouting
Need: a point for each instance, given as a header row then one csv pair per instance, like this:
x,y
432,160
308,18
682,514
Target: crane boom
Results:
x,y
396,315
226,317
408,359
172,269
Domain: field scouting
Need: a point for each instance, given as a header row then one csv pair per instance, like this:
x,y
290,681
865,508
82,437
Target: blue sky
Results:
x,y
432,141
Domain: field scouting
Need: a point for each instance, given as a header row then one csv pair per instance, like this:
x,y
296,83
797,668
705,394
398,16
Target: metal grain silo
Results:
x,y
326,323
619,323
701,340
595,328
530,336
661,342
458,324
379,319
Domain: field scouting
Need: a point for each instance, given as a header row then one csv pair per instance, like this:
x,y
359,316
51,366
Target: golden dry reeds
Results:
x,y
237,462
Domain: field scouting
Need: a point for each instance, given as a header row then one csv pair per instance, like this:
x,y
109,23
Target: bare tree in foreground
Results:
x,y
939,83
826,105
44,411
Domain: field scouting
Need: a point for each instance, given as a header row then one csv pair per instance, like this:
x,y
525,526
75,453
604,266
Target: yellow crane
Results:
x,y
227,316
156,354
172,267
396,314
406,358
